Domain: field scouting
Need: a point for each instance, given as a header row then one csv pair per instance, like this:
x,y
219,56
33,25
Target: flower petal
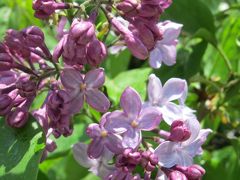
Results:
x,y
155,58
195,147
97,100
171,112
168,53
149,119
71,78
132,138
95,148
194,127
80,155
154,89
170,154
76,104
114,143
117,122
131,103
171,31
95,78
173,89
93,130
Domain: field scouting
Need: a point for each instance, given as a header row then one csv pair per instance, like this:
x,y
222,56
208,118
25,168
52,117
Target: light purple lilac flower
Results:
x,y
165,49
162,97
103,137
99,166
133,119
85,88
182,153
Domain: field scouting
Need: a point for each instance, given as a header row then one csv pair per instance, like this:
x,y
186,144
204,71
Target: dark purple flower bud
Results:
x,y
5,105
27,87
15,42
44,8
149,11
128,7
58,100
59,48
145,34
179,132
59,113
136,46
6,62
50,145
18,117
176,175
96,52
34,36
82,31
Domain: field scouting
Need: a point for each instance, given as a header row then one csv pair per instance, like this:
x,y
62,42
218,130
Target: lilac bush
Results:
x,y
73,79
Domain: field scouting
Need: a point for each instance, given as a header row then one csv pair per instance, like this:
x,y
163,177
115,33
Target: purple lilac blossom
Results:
x,y
165,49
133,119
103,137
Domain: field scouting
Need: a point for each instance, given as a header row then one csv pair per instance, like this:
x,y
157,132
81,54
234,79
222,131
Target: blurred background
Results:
x,y
208,58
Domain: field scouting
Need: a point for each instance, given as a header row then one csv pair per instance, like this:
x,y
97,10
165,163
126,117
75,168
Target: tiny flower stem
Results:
x,y
109,23
25,69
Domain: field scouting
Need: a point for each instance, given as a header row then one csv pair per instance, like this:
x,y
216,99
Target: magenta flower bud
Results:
x,y
5,105
82,31
133,156
17,118
27,88
194,172
179,132
149,160
34,36
96,52
176,175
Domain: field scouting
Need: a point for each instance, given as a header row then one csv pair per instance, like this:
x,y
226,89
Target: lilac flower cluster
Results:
x,y
120,135
119,142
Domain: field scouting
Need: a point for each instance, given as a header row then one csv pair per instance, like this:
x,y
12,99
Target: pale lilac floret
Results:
x,y
165,50
181,153
85,88
163,97
133,119
103,137
99,166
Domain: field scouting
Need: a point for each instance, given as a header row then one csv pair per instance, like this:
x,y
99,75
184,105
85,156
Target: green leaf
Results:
x,y
65,168
115,64
228,37
221,163
135,78
193,64
192,15
21,150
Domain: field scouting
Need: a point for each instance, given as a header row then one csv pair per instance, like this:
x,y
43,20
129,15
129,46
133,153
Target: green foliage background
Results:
x,y
208,57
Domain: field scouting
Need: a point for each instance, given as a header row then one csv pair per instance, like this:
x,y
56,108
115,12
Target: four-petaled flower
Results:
x,y
133,119
165,50
103,137
85,88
